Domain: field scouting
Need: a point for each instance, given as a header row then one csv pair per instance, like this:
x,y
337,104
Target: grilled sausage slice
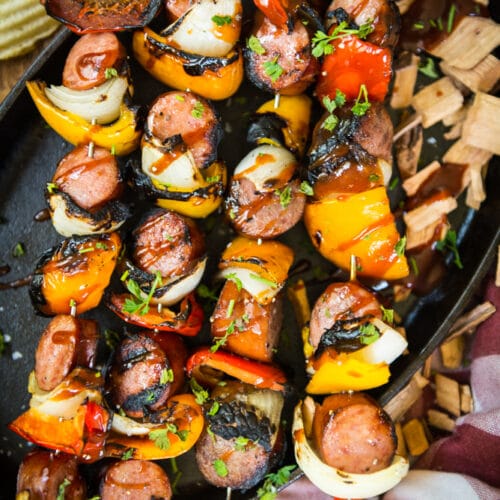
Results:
x,y
137,479
65,343
90,180
90,59
341,302
255,327
192,118
43,474
353,434
169,243
138,379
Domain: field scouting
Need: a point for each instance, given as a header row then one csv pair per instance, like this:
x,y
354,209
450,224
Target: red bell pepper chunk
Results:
x,y
261,375
352,63
187,321
274,10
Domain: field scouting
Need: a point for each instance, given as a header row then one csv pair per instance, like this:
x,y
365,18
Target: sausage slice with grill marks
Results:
x,y
190,116
90,59
353,434
137,379
65,343
137,480
42,474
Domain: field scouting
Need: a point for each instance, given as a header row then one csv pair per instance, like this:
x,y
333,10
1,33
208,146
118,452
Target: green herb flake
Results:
x,y
113,150
414,266
101,246
110,73
330,122
387,315
86,250
449,243
61,491
439,23
213,179
237,281
200,394
111,338
150,397
2,343
272,69
373,177
362,104
394,184
241,443
451,17
285,196
197,111
160,438
166,376
180,97
220,467
253,43
306,188
214,409
369,333
128,454
263,280
139,304
52,187
222,20
205,293
428,68
230,308
400,246
221,341
419,25
18,250
273,481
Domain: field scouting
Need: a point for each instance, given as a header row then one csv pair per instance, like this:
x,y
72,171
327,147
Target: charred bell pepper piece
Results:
x,y
361,225
187,321
353,63
176,435
122,136
261,375
90,16
276,10
74,274
211,77
71,418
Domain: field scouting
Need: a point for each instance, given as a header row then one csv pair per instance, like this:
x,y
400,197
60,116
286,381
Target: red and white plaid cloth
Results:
x,y
465,465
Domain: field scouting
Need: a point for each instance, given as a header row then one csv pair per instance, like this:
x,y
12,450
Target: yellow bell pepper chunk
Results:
x,y
122,136
344,373
358,224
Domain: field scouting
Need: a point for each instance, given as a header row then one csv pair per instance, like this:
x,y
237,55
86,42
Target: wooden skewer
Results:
x,y
408,124
276,101
228,490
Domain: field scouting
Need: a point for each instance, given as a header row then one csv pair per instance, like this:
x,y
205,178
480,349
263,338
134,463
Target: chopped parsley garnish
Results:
x,y
451,17
220,468
270,283
234,278
272,69
101,246
321,41
139,304
387,314
450,243
2,343
166,376
205,293
428,68
230,308
214,409
285,196
18,250
369,333
180,97
222,20
273,481
414,266
128,454
150,397
110,73
52,187
330,123
113,150
112,338
253,43
241,443
306,188
223,340
86,250
200,394
373,177
419,25
394,183
160,438
331,105
61,491
362,104
198,109
400,246
213,179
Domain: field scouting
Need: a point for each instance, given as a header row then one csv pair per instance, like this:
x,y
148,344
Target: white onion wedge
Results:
x,y
389,346
197,33
261,289
129,427
182,173
334,481
265,163
101,104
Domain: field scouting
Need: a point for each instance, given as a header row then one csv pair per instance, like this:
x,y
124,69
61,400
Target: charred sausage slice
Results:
x,y
255,327
341,302
169,243
353,434
89,59
135,479
138,379
190,116
42,474
90,180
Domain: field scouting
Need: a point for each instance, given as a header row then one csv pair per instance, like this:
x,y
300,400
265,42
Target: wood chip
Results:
x,y
401,293
476,193
405,399
407,151
427,367
480,78
497,274
440,420
297,294
447,394
455,132
452,352
466,401
414,434
404,84
482,126
469,43
411,122
456,117
437,101
412,184
429,213
467,323
404,5
425,236
460,152
401,448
